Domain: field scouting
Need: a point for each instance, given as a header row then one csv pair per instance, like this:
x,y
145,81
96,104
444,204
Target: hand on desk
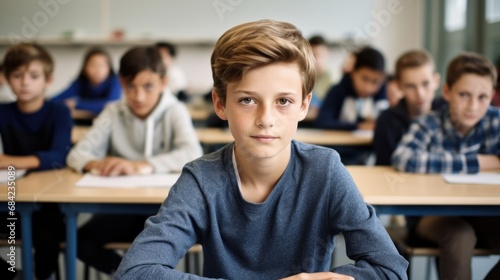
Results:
x,y
488,162
115,166
319,276
367,125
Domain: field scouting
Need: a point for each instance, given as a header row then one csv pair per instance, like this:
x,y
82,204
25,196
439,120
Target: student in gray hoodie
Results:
x,y
149,131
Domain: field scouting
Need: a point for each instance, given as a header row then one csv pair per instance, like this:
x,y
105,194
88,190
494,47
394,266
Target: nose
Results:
x,y
265,116
420,92
473,104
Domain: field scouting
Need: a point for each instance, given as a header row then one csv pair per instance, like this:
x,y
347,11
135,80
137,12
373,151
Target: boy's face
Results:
x,y
97,69
263,110
418,85
143,92
367,81
469,98
28,82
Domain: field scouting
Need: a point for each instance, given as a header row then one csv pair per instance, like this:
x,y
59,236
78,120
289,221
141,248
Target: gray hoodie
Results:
x,y
166,138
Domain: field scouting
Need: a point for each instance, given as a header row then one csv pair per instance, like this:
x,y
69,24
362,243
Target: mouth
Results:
x,y
264,138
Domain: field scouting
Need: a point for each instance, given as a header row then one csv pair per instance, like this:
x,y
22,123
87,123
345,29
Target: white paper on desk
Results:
x,y
363,133
4,174
134,181
479,178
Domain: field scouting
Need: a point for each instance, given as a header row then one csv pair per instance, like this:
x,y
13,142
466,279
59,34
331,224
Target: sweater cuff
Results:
x,y
472,163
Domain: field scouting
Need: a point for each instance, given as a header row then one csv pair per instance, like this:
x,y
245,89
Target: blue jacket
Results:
x,y
332,106
92,98
45,133
292,231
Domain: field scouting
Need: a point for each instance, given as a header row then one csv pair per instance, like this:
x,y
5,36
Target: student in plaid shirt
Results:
x,y
463,137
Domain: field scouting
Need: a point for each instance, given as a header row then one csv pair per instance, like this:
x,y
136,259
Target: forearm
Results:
x,y
488,162
20,162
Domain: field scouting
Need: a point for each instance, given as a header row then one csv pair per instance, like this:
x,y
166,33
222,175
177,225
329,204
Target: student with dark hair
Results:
x,y
35,134
496,98
355,102
176,78
95,86
149,131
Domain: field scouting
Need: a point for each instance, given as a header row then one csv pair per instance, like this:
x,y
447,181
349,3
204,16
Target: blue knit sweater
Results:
x,y
292,231
45,133
92,98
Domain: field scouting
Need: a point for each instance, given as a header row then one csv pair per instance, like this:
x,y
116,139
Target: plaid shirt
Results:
x,y
432,145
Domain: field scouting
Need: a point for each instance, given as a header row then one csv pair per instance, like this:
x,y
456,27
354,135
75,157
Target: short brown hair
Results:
x,y
470,63
412,59
138,59
260,43
25,53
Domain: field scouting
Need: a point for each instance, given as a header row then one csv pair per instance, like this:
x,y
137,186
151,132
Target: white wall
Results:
x,y
402,31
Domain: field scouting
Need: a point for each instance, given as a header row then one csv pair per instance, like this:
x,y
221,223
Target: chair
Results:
x,y
410,247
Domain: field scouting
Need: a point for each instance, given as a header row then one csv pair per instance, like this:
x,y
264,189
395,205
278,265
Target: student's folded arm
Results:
x,y
94,146
420,152
185,145
55,157
180,223
328,115
70,92
367,241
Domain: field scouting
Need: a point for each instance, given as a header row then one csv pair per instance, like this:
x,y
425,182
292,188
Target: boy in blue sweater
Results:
x,y
460,138
36,135
355,102
264,207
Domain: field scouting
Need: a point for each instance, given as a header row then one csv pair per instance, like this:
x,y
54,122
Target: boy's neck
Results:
x,y
259,177
31,106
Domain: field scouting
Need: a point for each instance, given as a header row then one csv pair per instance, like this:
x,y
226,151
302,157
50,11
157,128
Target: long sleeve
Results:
x,y
96,105
71,91
94,146
168,235
55,157
367,242
185,146
422,151
329,113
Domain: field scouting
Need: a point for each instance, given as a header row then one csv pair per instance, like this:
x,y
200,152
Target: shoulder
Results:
x,y
313,156
212,171
493,112
58,109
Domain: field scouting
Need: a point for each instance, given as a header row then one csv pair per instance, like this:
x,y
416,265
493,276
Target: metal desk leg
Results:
x,y
26,210
71,228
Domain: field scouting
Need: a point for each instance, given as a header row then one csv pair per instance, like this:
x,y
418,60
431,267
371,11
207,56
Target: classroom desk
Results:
x,y
27,189
393,192
215,136
74,200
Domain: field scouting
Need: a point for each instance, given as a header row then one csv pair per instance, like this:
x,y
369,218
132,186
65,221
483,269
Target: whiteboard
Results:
x,y
178,19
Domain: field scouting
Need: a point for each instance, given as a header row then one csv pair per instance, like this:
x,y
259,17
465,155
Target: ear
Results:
x,y
164,82
446,92
49,80
219,106
304,108
437,79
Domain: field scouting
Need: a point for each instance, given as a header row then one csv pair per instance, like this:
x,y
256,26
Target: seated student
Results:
x,y
35,134
247,204
177,82
496,99
354,103
394,93
418,81
461,138
321,56
148,132
95,86
6,94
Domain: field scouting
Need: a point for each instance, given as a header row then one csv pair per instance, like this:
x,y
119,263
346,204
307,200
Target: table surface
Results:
x,y
386,186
